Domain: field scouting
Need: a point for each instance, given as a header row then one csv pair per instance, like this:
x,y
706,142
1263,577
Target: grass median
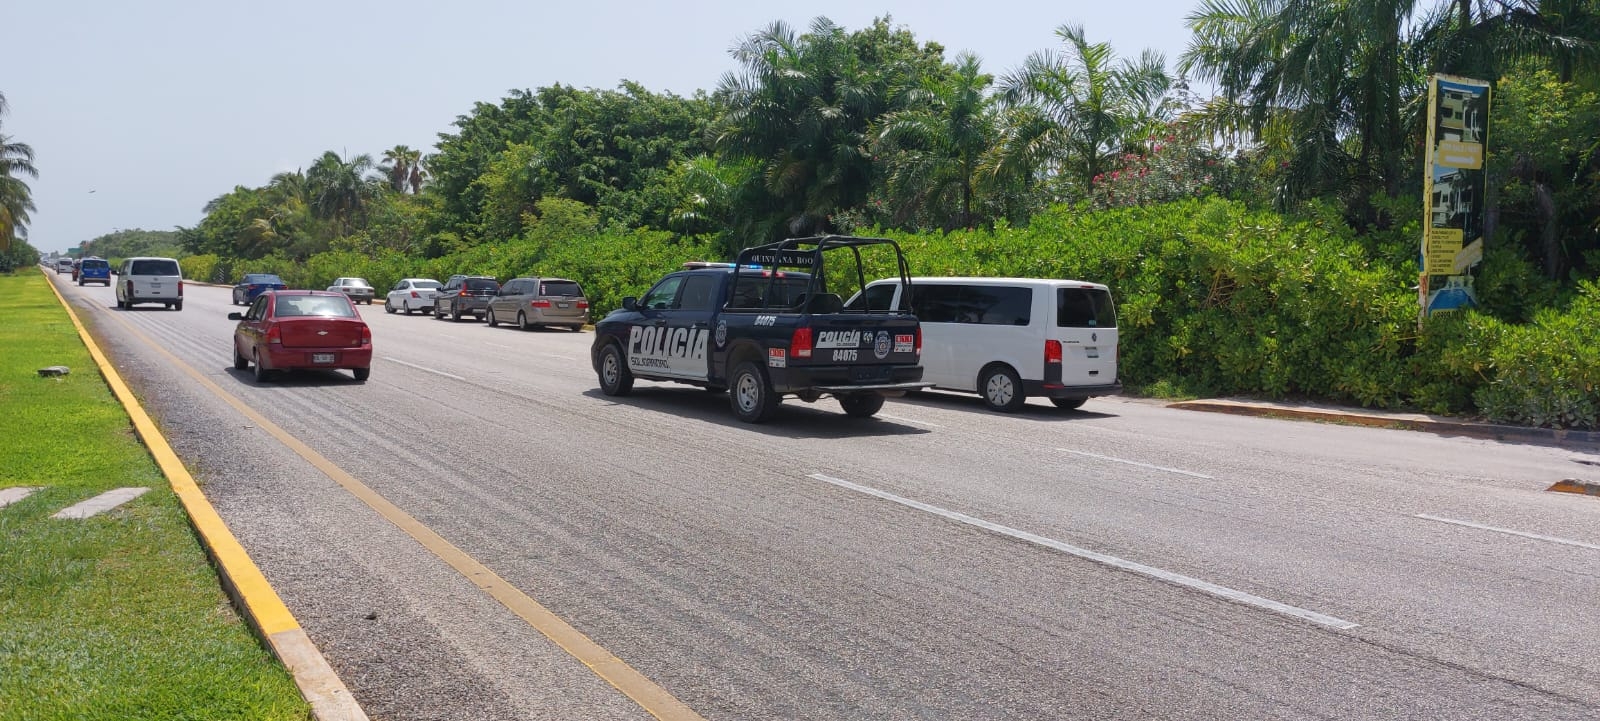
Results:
x,y
120,615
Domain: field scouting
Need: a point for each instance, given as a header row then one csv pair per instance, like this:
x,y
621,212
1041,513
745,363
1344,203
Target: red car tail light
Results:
x,y
800,343
275,334
1052,351
539,303
366,336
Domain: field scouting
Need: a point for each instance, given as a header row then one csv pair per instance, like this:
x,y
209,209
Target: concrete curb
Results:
x,y
243,581
1401,421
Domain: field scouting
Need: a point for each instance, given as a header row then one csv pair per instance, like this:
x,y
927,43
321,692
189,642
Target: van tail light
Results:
x,y
800,343
541,303
583,305
464,293
1052,351
275,334
180,287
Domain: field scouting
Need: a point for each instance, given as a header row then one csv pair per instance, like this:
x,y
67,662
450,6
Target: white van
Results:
x,y
1010,338
150,280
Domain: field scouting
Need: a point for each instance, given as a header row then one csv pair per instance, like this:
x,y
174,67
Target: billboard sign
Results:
x,y
1453,189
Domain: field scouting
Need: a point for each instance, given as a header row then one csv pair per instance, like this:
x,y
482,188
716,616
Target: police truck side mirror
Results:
x,y
630,303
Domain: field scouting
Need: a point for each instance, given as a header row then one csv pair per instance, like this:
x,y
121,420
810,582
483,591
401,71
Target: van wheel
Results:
x,y
492,322
615,378
178,305
861,405
522,320
751,394
1001,389
1068,404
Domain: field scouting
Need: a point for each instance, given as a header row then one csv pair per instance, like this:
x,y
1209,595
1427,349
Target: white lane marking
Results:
x,y
1113,561
101,503
423,368
909,420
497,345
12,495
1136,463
1524,534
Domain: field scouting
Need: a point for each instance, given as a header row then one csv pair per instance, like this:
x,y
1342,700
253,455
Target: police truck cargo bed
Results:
x,y
765,327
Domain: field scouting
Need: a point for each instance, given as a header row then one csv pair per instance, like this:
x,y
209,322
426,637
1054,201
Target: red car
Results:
x,y
293,329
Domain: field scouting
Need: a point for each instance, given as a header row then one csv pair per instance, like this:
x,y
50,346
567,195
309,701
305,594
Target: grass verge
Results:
x,y
118,616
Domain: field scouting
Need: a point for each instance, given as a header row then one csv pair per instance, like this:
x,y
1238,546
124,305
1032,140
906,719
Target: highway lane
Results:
x,y
708,555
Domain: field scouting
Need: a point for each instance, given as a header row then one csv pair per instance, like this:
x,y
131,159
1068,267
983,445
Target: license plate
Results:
x,y
321,357
868,373
1092,352
563,305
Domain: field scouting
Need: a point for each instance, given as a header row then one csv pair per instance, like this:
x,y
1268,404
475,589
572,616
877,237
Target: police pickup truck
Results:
x,y
765,327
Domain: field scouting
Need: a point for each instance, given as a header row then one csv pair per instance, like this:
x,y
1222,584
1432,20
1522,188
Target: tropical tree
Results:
x,y
932,149
16,199
339,189
1072,112
403,167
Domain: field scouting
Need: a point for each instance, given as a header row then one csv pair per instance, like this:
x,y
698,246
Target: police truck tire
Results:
x,y
750,394
1068,404
1001,389
615,378
861,405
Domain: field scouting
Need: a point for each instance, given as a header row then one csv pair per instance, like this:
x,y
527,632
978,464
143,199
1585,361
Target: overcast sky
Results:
x,y
141,112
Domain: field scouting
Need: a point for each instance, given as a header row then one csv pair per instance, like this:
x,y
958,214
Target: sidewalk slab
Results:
x,y
100,504
12,495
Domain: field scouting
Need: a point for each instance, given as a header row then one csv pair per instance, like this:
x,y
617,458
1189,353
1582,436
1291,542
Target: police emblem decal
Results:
x,y
881,347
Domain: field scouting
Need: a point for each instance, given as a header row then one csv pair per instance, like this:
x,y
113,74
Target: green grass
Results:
x,y
119,616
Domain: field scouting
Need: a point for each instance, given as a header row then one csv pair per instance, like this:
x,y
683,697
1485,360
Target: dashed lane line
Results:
x,y
100,504
423,368
1139,568
1509,532
1112,459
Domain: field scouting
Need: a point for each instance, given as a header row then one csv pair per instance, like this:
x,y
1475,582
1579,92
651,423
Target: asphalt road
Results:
x,y
939,562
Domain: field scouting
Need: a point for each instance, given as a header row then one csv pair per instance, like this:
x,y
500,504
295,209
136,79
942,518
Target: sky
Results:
x,y
141,112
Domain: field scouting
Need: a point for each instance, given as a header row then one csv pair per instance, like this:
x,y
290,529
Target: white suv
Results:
x,y
150,280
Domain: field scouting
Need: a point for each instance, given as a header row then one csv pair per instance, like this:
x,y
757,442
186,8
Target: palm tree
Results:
x,y
403,167
339,190
1072,113
934,147
16,199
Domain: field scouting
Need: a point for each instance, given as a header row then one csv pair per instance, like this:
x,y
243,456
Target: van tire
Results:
x,y
1068,404
1001,389
178,305
750,393
861,405
615,378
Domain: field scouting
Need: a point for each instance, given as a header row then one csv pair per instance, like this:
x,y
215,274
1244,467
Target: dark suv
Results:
x,y
465,295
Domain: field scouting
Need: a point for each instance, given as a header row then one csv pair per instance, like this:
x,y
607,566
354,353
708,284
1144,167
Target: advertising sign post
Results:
x,y
1452,235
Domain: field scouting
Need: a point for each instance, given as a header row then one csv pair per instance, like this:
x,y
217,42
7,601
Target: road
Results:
x,y
1128,561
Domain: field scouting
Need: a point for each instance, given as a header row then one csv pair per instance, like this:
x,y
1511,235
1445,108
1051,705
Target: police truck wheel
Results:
x,y
861,405
615,378
1002,389
751,395
1068,404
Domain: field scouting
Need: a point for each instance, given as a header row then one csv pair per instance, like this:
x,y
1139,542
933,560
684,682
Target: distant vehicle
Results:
x,y
765,332
359,290
465,295
541,302
1007,339
299,329
412,294
93,270
254,284
63,265
150,280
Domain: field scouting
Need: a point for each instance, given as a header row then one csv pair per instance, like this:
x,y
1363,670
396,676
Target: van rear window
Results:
x,y
154,267
1084,308
560,287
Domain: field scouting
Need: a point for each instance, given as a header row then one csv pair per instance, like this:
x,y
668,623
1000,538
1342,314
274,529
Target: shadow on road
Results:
x,y
1034,411
309,378
794,419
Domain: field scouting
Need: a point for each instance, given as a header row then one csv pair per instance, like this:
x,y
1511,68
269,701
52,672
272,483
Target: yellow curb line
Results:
x,y
329,698
1572,485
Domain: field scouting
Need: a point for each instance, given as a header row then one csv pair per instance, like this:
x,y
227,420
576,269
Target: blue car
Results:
x,y
255,284
94,270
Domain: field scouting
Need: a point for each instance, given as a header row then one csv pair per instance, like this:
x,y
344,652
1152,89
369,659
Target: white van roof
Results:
x,y
945,280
